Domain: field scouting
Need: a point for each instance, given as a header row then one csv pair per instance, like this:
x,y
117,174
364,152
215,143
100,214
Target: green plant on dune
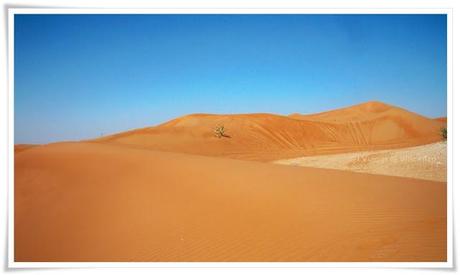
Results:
x,y
444,133
219,131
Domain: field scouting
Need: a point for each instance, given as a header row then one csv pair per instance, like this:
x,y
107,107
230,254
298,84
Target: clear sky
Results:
x,y
80,76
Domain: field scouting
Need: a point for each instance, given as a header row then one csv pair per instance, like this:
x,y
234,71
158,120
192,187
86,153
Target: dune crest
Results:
x,y
442,119
18,148
265,137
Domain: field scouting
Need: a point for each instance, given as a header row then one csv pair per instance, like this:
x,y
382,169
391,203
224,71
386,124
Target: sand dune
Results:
x,y
101,202
265,137
423,162
442,119
176,192
22,147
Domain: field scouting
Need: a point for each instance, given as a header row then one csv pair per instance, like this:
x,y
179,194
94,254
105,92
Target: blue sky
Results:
x,y
80,76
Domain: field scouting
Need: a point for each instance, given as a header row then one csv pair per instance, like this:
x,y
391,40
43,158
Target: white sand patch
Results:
x,y
423,162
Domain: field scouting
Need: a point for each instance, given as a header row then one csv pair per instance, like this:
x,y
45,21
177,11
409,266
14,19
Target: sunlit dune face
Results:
x,y
267,137
98,202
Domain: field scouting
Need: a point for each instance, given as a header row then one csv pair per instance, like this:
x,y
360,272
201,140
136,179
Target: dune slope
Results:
x,y
367,126
99,202
22,147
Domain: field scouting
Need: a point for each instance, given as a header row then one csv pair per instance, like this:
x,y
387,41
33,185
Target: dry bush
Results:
x,y
219,131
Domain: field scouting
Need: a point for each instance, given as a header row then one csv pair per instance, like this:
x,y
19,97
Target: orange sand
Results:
x,y
136,196
266,137
442,119
22,147
95,202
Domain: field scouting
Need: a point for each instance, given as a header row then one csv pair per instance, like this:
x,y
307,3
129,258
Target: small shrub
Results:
x,y
219,131
444,133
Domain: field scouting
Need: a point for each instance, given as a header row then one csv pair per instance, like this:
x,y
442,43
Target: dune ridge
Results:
x,y
18,148
443,119
267,137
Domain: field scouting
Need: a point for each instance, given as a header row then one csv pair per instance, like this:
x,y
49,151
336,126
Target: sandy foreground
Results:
x,y
423,162
105,202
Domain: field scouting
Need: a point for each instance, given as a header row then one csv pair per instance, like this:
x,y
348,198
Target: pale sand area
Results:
x,y
100,202
422,162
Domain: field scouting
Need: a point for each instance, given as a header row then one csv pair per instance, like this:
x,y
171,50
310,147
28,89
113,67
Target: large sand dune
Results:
x,y
101,202
366,126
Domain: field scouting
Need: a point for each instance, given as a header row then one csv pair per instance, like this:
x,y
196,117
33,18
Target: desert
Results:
x,y
423,162
274,188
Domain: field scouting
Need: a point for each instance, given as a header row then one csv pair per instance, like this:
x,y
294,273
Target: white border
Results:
x,y
10,152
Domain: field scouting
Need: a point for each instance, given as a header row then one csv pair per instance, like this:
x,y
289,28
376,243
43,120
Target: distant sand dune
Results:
x,y
442,119
266,137
22,147
423,162
100,202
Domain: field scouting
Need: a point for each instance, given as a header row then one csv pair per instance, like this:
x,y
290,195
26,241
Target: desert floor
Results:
x,y
176,192
110,203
